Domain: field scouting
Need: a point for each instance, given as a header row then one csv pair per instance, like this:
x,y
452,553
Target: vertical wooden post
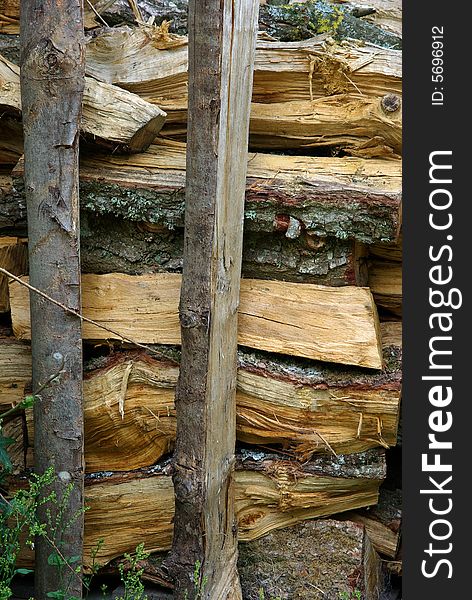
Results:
x,y
222,37
52,82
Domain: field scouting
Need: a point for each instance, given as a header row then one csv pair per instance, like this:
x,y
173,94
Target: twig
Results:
x,y
97,13
80,316
136,11
18,406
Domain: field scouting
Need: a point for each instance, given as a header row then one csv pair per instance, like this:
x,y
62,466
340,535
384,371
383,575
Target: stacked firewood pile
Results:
x,y
319,381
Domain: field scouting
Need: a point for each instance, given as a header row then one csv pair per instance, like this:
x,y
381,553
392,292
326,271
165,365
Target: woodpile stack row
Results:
x,y
319,379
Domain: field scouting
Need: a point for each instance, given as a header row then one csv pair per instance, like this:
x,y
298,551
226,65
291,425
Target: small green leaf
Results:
x,y
55,560
58,594
23,571
27,402
73,559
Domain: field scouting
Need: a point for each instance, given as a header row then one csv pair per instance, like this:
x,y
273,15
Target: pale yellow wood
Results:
x,y
155,66
322,323
385,281
391,252
130,415
128,510
391,333
10,14
142,509
163,164
359,125
13,258
15,372
109,112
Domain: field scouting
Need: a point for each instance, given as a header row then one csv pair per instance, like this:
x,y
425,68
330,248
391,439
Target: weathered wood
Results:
x,y
314,560
154,65
13,258
110,114
344,198
356,125
222,43
52,86
385,281
130,416
322,323
271,493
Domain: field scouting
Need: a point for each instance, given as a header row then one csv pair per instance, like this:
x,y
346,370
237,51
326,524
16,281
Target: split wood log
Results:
x,y
13,258
345,198
15,372
314,560
359,126
288,20
111,244
390,252
11,141
385,281
153,64
322,323
111,115
356,125
304,408
271,493
10,14
382,522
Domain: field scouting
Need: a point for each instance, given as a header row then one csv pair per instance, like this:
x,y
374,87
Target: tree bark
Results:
x,y
221,59
341,197
52,84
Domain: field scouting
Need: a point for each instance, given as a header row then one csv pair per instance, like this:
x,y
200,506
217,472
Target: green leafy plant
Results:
x,y
131,576
199,582
354,595
18,520
5,442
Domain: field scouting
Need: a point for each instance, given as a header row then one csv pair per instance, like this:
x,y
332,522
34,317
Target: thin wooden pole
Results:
x,y
222,36
52,82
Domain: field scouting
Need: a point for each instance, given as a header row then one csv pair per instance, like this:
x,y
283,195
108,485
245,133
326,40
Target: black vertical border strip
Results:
x,y
426,129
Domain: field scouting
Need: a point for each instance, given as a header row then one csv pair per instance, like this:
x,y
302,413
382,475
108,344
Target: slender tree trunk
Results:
x,y
221,56
52,82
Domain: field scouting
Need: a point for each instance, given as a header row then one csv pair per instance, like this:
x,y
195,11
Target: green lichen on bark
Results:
x,y
302,20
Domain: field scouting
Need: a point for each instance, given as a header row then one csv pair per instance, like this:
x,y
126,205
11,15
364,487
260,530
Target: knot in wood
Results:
x,y
390,103
192,318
